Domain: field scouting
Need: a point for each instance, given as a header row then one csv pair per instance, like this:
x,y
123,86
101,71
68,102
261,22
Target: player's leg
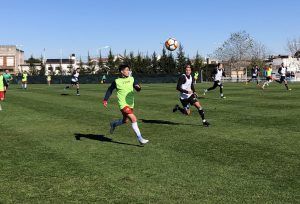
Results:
x,y
201,113
77,89
211,88
117,123
185,110
136,129
286,85
221,90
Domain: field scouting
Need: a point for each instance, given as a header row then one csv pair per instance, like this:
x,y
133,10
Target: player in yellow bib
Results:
x,y
269,77
49,79
125,86
24,80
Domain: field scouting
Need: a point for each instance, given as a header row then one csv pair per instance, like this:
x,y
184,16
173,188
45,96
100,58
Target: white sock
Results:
x,y
118,122
136,130
25,86
222,95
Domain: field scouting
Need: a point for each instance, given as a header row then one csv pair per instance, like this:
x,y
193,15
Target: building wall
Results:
x,y
11,58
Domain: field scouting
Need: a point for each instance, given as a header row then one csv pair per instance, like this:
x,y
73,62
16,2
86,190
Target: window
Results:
x,y
10,61
1,61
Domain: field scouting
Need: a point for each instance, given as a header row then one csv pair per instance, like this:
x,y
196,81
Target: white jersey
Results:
x,y
219,74
186,86
283,71
75,77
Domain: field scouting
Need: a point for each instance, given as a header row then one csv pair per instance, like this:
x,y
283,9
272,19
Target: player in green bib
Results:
x,y
125,86
7,78
24,80
269,77
2,88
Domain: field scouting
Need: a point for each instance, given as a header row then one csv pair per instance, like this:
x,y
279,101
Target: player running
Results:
x,y
188,95
75,81
49,79
283,71
269,77
24,80
125,94
218,73
7,76
255,73
2,88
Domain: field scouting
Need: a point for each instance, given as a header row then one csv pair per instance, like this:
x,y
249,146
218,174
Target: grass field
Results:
x,y
250,154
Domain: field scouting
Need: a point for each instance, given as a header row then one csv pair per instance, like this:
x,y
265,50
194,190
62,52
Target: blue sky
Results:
x,y
142,25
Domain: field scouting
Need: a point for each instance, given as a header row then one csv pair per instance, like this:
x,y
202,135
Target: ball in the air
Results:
x,y
171,44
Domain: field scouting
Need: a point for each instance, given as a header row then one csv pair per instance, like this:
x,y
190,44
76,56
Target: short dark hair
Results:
x,y
218,65
123,66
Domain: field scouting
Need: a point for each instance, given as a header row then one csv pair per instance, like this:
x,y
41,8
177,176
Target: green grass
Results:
x,y
250,154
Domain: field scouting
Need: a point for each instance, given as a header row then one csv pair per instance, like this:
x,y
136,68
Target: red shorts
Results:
x,y
126,111
2,95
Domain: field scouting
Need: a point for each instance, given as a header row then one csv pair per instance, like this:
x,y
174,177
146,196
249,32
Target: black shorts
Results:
x,y
269,78
74,82
254,77
189,101
282,78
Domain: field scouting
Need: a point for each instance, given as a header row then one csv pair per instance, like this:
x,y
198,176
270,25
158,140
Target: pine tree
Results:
x,y
198,63
181,59
163,61
111,62
154,63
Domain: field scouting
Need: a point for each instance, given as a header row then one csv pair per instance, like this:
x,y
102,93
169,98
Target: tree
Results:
x,y
293,47
171,64
42,71
181,59
81,67
163,61
111,62
154,63
198,62
32,65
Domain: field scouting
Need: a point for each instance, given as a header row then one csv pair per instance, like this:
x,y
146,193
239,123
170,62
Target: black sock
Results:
x,y
286,86
182,110
201,112
67,87
77,91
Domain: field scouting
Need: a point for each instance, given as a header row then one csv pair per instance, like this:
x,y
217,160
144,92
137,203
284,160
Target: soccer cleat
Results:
x,y
223,97
112,127
78,94
143,141
290,89
175,108
206,124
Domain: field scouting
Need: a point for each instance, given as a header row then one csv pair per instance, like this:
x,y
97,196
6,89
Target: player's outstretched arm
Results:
x,y
109,93
136,86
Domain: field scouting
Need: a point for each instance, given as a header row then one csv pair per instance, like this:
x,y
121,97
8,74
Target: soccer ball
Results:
x,y
171,44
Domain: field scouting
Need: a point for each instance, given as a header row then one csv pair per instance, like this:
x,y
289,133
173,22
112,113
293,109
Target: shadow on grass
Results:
x,y
101,138
64,94
164,122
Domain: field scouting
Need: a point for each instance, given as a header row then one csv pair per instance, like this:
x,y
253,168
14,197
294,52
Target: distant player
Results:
x,y
255,71
218,73
3,85
49,79
75,81
269,78
24,80
125,94
196,75
188,95
283,71
7,76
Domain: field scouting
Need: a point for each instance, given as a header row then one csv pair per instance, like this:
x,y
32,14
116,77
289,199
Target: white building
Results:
x,y
11,58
